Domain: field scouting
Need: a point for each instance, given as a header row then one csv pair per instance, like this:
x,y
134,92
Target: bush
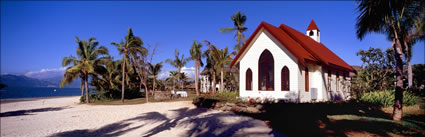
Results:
x,y
110,94
386,98
222,96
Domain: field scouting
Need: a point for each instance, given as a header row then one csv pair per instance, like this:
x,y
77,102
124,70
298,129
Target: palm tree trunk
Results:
x,y
82,87
178,79
409,74
87,89
153,87
123,78
213,85
174,85
398,101
222,81
146,92
196,77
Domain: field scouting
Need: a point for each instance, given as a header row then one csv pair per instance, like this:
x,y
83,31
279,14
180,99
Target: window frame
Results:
x,y
266,62
306,80
285,79
250,83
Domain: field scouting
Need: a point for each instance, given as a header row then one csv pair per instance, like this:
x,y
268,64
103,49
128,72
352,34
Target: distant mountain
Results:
x,y
24,81
57,81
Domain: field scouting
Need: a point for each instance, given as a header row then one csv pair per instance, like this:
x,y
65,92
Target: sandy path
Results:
x,y
65,117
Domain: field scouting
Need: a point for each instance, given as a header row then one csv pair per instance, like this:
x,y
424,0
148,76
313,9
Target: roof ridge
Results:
x,y
301,43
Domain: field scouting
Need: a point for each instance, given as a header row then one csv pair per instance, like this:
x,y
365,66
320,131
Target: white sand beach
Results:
x,y
64,116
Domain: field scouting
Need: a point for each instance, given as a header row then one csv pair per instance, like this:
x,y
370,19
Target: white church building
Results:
x,y
283,63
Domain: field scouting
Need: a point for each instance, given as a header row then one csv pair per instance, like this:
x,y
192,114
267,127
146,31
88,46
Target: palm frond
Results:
x,y
227,30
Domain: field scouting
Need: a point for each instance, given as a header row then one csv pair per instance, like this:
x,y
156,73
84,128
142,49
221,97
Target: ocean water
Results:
x,y
30,92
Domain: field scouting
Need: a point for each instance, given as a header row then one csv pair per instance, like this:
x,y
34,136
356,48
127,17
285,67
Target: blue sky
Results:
x,y
35,36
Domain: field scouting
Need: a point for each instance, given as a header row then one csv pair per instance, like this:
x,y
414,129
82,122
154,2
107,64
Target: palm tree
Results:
x,y
109,76
221,58
130,44
210,67
415,34
173,77
239,22
196,53
185,78
392,19
88,54
154,70
178,63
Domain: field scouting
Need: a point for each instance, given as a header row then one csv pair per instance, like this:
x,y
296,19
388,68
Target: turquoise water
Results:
x,y
30,92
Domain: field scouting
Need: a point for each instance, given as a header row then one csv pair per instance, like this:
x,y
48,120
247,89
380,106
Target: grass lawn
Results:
x,y
191,96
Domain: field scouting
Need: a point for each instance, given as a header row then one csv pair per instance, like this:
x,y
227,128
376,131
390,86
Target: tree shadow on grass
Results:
x,y
30,111
313,119
195,120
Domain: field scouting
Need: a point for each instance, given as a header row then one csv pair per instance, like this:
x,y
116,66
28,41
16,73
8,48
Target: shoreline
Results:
x,y
14,100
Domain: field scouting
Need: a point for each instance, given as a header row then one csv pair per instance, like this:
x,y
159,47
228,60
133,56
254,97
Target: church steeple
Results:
x,y
313,31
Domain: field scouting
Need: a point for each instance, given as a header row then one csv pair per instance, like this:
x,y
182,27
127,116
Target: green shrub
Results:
x,y
386,98
110,94
223,96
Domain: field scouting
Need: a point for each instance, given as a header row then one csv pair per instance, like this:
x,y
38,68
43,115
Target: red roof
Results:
x,y
312,26
293,46
301,46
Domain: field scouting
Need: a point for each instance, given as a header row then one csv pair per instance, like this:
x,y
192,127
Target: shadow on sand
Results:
x,y
284,119
30,111
198,123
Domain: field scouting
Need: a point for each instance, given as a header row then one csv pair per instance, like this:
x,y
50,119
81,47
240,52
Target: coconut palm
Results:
x,y
415,34
138,59
109,77
154,70
221,58
179,63
185,78
210,67
130,44
88,60
391,18
196,53
173,76
239,22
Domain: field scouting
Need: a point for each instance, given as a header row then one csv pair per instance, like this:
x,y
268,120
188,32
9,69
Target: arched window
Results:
x,y
306,80
248,84
266,71
285,79
311,33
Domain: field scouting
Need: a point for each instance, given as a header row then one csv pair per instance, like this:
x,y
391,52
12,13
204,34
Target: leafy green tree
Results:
x,y
419,79
130,44
154,70
377,71
89,58
196,53
392,18
179,63
239,20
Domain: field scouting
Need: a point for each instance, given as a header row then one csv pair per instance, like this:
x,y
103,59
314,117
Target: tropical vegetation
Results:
x,y
396,20
89,59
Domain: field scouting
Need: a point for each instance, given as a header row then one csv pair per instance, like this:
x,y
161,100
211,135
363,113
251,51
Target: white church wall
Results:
x,y
282,57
